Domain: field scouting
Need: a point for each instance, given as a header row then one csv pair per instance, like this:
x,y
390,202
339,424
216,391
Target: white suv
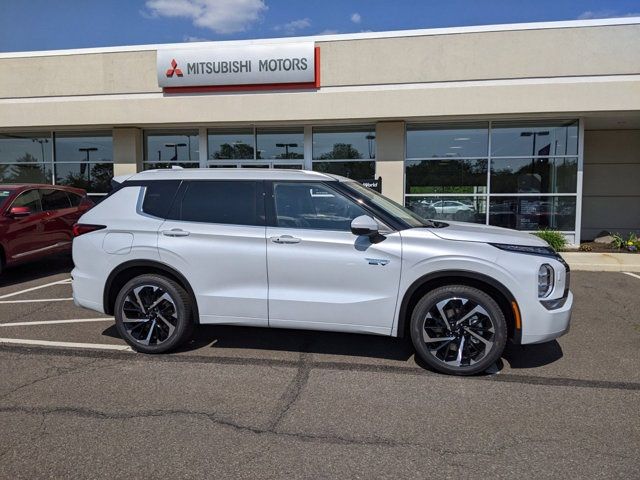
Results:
x,y
169,249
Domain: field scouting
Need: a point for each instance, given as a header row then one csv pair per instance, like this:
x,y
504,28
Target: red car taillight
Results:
x,y
82,228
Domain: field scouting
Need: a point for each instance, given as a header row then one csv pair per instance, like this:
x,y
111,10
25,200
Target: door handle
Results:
x,y
285,239
175,232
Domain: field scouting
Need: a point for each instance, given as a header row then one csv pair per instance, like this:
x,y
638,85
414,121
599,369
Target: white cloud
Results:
x,y
356,18
189,38
221,16
328,32
589,14
292,27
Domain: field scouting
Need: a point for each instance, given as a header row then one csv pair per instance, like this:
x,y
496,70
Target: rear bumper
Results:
x,y
87,291
546,325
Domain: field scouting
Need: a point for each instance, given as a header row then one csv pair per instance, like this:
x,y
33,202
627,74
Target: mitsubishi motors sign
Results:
x,y
247,67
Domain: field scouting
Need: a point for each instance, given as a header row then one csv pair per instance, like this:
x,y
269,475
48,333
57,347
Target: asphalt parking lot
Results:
x,y
259,403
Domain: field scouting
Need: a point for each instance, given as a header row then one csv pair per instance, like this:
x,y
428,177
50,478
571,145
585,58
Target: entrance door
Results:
x,y
322,276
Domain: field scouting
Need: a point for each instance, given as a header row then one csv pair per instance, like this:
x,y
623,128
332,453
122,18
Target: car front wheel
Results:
x,y
459,330
153,314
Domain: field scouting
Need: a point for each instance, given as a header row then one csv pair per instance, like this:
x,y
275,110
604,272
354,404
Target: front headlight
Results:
x,y
544,251
545,280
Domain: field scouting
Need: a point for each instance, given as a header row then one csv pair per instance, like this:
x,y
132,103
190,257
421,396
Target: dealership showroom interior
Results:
x,y
532,126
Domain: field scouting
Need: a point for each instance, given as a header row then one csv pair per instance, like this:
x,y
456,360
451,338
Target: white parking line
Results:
x,y
53,322
37,300
47,343
632,275
59,282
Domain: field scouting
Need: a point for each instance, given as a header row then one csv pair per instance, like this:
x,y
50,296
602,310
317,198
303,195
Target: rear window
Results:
x,y
159,196
74,198
224,202
53,199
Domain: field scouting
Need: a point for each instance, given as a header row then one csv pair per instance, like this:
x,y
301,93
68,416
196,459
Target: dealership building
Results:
x,y
525,126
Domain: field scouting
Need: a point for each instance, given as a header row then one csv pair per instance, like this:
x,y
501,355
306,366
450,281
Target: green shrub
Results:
x,y
618,241
555,239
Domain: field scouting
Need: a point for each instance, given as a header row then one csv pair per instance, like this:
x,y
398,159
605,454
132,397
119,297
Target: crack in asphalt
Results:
x,y
320,365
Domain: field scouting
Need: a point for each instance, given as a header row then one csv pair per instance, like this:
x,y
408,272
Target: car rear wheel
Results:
x,y
458,330
153,314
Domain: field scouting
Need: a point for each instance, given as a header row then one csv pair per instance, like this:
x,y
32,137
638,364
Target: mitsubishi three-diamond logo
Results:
x,y
174,69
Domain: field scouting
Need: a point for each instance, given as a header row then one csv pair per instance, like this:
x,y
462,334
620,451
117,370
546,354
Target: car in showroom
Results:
x,y
170,249
37,220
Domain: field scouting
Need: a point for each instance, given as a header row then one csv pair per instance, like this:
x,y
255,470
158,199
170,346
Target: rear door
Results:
x,y
322,276
25,235
60,217
215,236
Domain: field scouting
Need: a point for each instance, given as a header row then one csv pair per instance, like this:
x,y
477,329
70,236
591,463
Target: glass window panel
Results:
x,y
534,139
344,143
460,209
441,141
92,177
156,165
96,148
291,166
533,213
534,175
31,199
4,195
313,206
165,146
25,148
21,173
280,143
225,202
235,144
446,176
53,199
355,170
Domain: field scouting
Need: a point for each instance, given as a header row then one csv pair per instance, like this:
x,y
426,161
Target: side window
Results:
x,y
31,199
313,206
159,196
226,202
74,199
53,199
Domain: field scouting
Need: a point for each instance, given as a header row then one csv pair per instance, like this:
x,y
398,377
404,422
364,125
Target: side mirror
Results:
x,y
19,212
364,225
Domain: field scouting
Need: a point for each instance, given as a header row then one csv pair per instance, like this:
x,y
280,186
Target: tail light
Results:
x,y
82,228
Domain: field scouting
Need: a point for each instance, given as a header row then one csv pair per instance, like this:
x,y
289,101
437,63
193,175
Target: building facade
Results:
x,y
525,126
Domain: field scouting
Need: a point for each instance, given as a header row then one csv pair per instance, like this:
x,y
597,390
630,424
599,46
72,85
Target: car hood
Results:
x,y
471,232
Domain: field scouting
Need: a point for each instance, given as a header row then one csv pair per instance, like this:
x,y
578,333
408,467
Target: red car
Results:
x,y
37,220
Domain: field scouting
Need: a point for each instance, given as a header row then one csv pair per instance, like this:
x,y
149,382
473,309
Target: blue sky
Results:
x,y
57,24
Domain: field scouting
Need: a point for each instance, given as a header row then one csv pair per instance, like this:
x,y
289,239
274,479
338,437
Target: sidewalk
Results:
x,y
602,262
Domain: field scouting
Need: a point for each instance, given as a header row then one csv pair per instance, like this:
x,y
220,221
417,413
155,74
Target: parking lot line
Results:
x,y
47,343
13,294
51,322
632,275
37,300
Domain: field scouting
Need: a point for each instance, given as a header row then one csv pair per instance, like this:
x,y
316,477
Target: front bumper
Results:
x,y
545,325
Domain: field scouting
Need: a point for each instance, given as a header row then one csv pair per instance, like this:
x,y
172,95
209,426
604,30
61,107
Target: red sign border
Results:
x,y
254,87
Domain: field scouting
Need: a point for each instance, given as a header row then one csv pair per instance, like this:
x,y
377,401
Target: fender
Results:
x,y
148,264
471,275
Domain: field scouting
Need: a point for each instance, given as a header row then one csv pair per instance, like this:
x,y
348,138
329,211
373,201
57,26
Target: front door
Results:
x,y
25,236
322,276
215,236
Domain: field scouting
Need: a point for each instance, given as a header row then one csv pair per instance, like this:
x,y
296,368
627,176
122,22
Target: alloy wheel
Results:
x,y
149,314
458,331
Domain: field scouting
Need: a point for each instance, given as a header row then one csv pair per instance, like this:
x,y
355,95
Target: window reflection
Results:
x,y
534,139
446,176
29,173
171,146
25,148
355,170
280,144
237,144
84,148
533,213
92,177
332,143
460,209
534,175
442,142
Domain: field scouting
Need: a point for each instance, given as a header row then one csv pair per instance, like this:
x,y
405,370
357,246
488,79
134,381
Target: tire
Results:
x,y
153,314
482,331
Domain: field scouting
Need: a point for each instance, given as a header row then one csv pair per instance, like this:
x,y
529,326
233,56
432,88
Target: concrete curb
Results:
x,y
602,262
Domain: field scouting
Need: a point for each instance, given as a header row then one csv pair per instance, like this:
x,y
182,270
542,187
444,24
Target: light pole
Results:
x,y
286,147
175,149
83,166
41,141
535,135
370,138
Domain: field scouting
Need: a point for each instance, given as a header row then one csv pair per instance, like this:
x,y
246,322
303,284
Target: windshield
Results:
x,y
393,208
4,194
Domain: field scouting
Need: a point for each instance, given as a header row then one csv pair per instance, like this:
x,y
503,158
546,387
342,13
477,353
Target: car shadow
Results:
x,y
45,267
344,344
